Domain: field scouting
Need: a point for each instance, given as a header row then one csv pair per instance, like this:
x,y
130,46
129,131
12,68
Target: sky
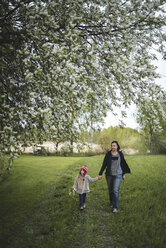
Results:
x,y
130,121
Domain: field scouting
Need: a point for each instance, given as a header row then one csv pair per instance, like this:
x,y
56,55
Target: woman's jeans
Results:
x,y
113,188
82,199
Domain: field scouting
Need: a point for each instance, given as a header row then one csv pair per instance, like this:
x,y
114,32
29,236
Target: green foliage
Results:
x,y
39,211
86,136
159,142
127,138
151,116
62,62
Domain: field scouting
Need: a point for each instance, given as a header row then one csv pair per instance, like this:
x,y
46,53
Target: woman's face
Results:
x,y
114,147
82,172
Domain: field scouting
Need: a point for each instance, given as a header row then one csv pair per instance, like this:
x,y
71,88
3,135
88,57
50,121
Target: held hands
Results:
x,y
99,177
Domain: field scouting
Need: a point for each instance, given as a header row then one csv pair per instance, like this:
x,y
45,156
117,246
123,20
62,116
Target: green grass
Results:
x,y
37,211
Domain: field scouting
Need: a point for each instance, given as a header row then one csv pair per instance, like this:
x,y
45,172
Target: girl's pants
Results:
x,y
113,188
82,199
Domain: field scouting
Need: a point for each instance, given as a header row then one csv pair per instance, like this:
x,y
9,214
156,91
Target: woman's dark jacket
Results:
x,y
107,164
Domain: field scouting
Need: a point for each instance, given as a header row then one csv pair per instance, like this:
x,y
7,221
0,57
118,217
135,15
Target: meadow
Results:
x,y
37,211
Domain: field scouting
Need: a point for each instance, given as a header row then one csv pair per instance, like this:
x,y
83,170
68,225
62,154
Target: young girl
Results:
x,y
81,185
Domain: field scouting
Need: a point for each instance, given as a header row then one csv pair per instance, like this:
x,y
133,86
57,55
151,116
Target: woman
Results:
x,y
116,168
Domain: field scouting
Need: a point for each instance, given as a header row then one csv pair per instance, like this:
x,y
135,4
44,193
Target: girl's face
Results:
x,y
82,172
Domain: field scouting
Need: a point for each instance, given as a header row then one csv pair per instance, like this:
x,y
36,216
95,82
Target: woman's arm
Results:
x,y
124,164
104,164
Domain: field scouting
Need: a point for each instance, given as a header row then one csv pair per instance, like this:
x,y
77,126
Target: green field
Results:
x,y
37,211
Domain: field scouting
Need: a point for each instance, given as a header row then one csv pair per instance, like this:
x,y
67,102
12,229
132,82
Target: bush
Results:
x,y
4,166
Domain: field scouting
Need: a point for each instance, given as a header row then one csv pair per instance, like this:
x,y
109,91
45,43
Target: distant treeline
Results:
x,y
128,138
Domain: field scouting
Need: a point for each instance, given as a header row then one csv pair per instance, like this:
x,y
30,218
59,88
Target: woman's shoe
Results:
x,y
81,208
115,210
84,206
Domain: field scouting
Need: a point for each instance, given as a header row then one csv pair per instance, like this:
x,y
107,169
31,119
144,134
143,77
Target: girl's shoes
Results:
x,y
83,207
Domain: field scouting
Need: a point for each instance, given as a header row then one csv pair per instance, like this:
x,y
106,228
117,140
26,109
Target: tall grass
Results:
x,y
37,211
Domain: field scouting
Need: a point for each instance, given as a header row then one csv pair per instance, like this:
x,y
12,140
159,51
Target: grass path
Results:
x,y
37,211
29,182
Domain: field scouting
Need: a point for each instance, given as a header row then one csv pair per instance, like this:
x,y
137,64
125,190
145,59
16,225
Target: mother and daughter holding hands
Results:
x,y
116,168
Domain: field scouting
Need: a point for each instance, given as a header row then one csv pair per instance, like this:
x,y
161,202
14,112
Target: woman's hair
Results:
x,y
116,142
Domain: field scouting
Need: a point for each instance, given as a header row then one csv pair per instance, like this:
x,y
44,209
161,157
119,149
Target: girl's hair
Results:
x,y
116,142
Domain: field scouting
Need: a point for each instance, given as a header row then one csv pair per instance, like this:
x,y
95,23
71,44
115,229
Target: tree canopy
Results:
x,y
65,63
151,117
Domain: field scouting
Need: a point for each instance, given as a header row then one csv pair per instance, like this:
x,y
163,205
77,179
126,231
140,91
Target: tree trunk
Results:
x,y
151,134
91,125
57,144
91,134
71,143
